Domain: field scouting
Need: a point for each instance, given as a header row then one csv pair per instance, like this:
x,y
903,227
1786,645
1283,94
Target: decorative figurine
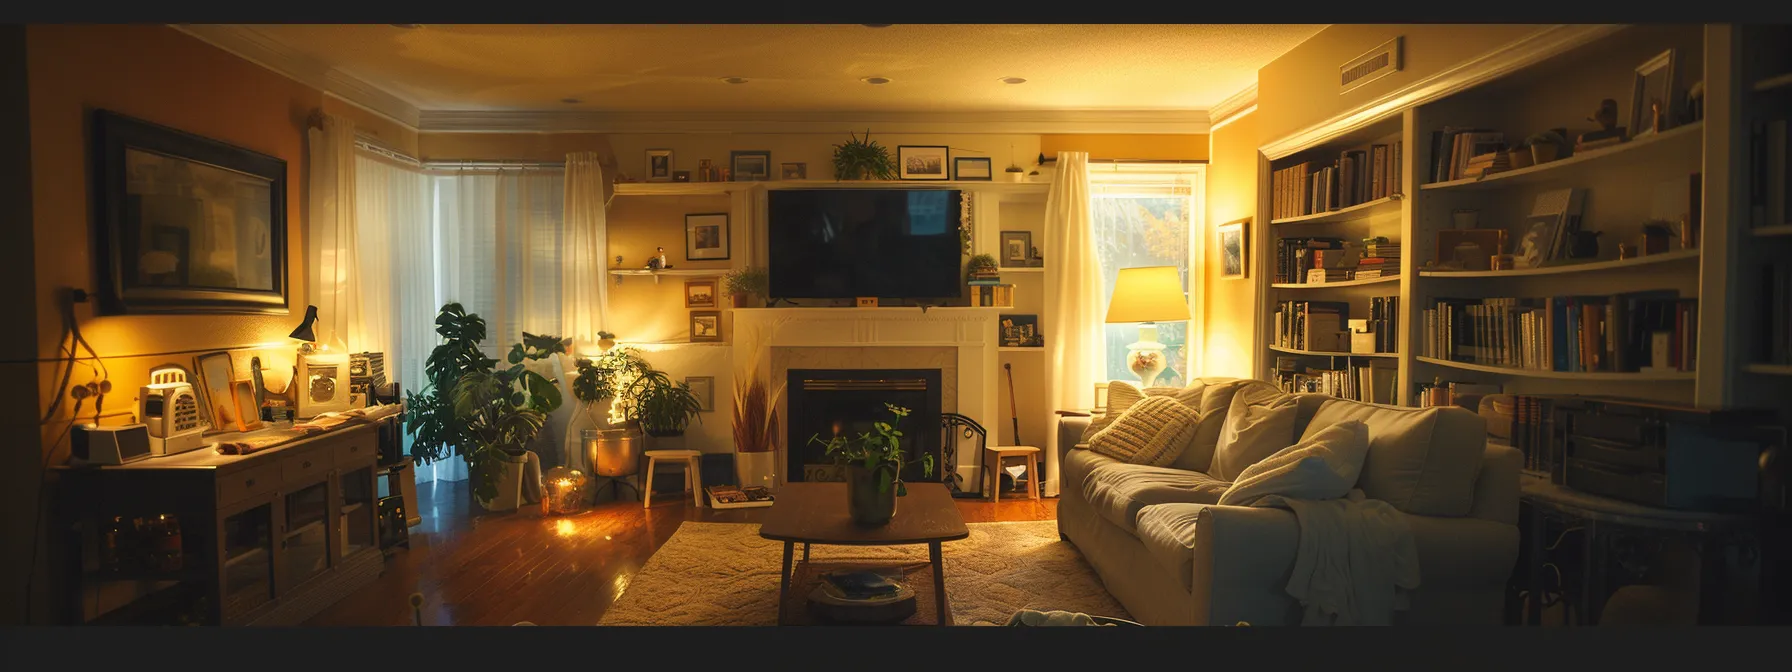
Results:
x,y
658,260
1607,114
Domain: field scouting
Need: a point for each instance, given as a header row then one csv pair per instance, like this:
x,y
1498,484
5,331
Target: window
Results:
x,y
499,249
1148,215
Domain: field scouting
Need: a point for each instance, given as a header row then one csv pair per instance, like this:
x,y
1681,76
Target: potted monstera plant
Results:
x,y
479,412
874,461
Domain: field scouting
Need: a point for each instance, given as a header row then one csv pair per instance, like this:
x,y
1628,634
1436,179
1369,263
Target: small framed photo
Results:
x,y
706,326
1234,242
793,171
1020,331
706,236
1101,398
1017,249
704,389
972,168
659,165
700,293
1653,104
750,165
922,162
681,176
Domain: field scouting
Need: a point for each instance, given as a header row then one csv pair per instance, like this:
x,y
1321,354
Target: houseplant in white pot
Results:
x,y
874,462
756,430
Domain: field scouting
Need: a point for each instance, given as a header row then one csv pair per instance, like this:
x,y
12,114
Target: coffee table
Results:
x,y
815,513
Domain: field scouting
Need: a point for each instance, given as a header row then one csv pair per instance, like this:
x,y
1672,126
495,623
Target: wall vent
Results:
x,y
1379,62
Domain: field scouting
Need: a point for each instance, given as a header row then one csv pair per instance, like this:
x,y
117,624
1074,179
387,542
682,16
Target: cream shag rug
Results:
x,y
726,574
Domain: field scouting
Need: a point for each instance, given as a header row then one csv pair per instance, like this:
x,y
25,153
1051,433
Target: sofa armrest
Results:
x,y
1070,433
1244,557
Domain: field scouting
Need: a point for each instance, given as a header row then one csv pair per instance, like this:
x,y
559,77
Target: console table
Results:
x,y
267,538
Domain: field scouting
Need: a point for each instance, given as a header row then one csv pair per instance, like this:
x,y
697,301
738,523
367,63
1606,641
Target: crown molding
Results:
x,y
1178,122
1237,104
257,48
1524,52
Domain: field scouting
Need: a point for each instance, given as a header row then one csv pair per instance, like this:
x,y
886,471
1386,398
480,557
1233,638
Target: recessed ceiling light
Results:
x,y
407,26
1013,80
735,80
875,80
570,101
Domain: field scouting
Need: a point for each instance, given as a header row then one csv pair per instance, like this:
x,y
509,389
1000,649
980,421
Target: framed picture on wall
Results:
x,y
922,162
706,236
704,389
187,224
659,165
750,165
700,293
794,171
1017,249
706,326
1234,243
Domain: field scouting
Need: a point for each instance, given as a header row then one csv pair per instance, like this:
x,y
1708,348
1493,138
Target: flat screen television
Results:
x,y
845,243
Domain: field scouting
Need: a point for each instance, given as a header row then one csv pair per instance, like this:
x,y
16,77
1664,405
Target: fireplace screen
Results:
x,y
825,403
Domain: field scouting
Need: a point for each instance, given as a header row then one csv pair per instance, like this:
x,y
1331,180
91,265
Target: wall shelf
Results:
x,y
1359,211
1021,269
1632,376
1776,82
986,186
621,273
1011,348
1663,258
1342,283
1685,136
1783,230
1324,353
1769,369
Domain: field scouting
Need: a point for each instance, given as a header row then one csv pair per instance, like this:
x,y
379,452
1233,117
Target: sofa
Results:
x,y
1172,555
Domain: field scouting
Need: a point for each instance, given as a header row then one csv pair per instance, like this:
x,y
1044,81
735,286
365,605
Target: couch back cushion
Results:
x,y
1259,423
1215,398
1152,432
1326,465
1121,396
1423,461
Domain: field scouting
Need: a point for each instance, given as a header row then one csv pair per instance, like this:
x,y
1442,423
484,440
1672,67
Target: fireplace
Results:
x,y
844,402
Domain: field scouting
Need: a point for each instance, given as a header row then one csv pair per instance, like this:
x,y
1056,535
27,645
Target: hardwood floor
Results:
x,y
498,569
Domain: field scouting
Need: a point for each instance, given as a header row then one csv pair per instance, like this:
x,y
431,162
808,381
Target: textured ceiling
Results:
x,y
933,68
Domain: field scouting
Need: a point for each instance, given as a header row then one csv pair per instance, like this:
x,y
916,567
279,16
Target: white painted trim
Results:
x,y
1531,49
1237,104
267,52
1240,115
1170,122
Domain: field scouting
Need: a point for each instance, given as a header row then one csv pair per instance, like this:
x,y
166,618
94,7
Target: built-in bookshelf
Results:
x,y
1763,271
1478,221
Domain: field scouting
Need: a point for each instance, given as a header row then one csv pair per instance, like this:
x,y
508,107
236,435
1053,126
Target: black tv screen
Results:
x,y
844,243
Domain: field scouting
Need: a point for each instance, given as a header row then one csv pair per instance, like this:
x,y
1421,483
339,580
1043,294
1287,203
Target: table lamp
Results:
x,y
1147,295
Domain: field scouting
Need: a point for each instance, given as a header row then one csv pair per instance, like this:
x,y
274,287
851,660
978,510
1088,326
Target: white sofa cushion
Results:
x,y
1121,396
1116,491
1153,432
1322,466
1422,461
1259,423
1168,533
1216,397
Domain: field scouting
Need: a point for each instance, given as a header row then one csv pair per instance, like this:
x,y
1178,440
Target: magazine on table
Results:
x,y
736,497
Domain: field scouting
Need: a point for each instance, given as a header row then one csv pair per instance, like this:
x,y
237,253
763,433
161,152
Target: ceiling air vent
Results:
x,y
1379,62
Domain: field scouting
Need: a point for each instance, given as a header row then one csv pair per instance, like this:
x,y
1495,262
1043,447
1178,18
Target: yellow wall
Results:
x,y
1231,195
1151,147
545,147
158,74
380,128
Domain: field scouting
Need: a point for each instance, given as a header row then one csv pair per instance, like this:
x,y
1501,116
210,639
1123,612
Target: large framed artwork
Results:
x,y
706,236
186,224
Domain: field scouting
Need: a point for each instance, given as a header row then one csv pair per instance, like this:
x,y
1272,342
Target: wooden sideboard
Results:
x,y
267,538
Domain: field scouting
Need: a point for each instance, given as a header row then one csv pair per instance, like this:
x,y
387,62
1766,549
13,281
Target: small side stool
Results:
x,y
995,456
693,474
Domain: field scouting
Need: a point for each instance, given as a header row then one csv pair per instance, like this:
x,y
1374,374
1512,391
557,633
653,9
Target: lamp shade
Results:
x,y
1148,294
304,332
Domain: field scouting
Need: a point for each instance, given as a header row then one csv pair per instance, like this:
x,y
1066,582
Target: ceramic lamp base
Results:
x,y
1145,358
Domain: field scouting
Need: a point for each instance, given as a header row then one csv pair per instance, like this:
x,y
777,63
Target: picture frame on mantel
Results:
x,y
923,162
750,165
188,224
659,165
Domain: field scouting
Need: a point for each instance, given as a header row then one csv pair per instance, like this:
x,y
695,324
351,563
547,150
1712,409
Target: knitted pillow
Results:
x,y
1121,396
1153,431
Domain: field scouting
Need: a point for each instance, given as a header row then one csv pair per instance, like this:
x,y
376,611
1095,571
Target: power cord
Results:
x,y
71,334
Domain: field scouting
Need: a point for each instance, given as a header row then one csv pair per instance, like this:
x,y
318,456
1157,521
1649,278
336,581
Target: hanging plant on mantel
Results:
x,y
864,159
964,223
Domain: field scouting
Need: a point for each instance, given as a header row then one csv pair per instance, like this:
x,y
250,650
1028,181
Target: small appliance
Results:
x,y
321,383
170,409
118,444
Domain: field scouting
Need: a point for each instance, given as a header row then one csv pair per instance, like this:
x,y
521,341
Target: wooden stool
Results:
x,y
693,474
994,456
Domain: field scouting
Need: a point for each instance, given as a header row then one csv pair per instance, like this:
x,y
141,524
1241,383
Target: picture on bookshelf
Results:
x,y
1652,99
1234,246
1020,331
1017,248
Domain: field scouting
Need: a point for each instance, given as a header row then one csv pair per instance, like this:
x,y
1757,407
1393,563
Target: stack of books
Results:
x,y
1597,139
860,586
1487,164
1381,259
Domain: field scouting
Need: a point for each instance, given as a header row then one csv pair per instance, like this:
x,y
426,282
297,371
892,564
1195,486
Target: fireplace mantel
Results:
x,y
970,332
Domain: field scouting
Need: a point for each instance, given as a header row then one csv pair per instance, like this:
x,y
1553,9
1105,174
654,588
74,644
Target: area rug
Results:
x,y
726,574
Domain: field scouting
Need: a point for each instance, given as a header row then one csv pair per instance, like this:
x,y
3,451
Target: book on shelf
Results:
x,y
1454,393
1372,380
1533,429
736,497
1771,175
1294,256
1356,176
992,296
1588,145
1775,340
1554,218
1449,150
1631,332
862,585
1312,325
1384,322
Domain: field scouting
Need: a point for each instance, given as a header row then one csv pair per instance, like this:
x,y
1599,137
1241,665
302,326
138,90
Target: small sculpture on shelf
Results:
x,y
658,261
1656,233
1607,114
1609,133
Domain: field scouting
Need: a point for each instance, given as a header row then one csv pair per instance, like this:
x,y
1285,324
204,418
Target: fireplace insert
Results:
x,y
845,402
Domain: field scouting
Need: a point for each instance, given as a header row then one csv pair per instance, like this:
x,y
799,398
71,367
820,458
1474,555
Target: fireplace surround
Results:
x,y
825,403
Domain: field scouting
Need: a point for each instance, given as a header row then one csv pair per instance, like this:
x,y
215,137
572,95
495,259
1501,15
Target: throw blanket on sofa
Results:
x,y
1355,562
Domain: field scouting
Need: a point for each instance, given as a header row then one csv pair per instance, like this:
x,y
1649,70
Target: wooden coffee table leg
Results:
x,y
939,583
805,552
784,582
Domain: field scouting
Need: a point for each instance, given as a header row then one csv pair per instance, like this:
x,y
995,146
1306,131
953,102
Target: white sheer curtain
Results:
x,y
586,237
334,245
499,252
1073,287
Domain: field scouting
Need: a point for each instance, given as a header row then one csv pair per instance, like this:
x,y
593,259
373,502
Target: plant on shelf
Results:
x,y
746,284
858,159
661,406
1545,146
874,463
474,410
982,266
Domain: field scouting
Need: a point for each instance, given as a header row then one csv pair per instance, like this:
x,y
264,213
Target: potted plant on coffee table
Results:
x,y
874,463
